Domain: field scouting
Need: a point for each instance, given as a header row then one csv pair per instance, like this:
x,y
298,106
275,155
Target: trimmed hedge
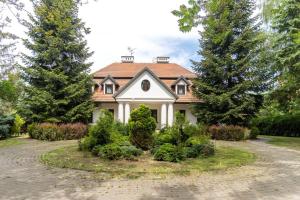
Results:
x,y
282,125
55,132
230,132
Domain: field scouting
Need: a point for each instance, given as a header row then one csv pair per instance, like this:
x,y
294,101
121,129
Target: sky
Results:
x,y
147,26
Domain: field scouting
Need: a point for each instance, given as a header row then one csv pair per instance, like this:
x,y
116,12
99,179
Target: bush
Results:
x,y
121,128
231,133
101,132
115,152
165,136
55,132
73,131
6,124
280,125
141,126
253,133
168,152
87,143
18,123
197,140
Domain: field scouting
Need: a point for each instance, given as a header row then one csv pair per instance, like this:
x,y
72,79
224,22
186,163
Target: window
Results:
x,y
145,85
154,114
182,112
181,89
108,88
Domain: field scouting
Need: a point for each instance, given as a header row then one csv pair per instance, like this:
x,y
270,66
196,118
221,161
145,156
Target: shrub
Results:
x,y
110,151
73,131
121,128
54,132
87,143
280,125
165,136
141,126
197,140
168,152
130,152
199,148
6,124
253,133
232,133
103,128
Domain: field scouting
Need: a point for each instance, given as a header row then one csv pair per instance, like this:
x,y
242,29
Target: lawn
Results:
x,y
10,142
70,157
289,142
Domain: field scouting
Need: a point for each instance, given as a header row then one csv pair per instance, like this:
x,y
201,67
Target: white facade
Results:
x,y
159,98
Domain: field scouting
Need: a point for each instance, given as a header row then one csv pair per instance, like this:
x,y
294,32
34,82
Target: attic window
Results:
x,y
181,89
108,88
145,85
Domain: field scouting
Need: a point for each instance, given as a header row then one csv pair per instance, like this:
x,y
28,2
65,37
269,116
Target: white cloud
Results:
x,y
146,25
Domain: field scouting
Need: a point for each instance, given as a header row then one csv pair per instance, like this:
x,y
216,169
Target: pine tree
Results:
x,y
286,24
230,73
57,71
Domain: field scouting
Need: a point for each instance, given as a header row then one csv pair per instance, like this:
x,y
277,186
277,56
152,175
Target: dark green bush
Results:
x,y
110,152
101,132
165,136
281,125
254,132
199,150
169,152
6,124
130,152
121,128
231,133
141,125
87,143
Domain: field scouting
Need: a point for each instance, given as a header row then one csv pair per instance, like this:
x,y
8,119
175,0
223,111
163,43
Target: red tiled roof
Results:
x,y
162,70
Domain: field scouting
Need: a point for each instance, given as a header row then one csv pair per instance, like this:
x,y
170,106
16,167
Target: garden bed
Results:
x,y
70,157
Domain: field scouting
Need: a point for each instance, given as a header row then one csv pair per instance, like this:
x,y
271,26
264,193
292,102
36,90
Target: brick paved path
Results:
x,y
276,175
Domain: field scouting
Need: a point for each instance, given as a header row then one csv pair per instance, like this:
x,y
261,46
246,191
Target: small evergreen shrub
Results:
x,y
168,152
254,132
110,152
141,125
6,124
231,133
121,128
18,124
165,136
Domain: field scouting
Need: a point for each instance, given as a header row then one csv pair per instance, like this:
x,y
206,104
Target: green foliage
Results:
x,y
166,135
114,151
88,143
199,150
281,125
141,126
232,133
231,72
55,132
18,124
285,23
103,128
57,71
168,152
254,133
121,128
6,123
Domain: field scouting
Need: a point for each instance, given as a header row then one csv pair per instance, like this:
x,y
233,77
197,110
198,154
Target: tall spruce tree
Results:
x,y
231,72
286,23
57,71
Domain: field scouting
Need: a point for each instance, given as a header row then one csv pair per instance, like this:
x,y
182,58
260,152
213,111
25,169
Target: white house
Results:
x,y
164,87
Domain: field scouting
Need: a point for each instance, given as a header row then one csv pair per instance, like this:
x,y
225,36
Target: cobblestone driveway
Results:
x,y
275,175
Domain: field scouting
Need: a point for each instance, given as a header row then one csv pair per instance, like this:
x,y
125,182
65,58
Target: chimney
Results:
x,y
162,59
127,59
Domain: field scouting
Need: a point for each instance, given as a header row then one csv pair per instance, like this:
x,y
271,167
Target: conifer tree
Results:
x,y
230,72
57,71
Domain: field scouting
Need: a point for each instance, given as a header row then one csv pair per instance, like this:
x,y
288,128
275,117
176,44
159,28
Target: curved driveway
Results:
x,y
275,175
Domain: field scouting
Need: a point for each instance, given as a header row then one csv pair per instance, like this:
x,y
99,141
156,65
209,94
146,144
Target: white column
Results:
x,y
163,115
170,114
121,113
127,112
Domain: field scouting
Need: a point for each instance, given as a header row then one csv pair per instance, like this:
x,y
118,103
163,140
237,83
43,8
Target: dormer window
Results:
x,y
109,85
181,89
109,88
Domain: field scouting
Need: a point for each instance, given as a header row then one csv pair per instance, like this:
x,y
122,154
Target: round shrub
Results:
x,y
141,125
129,152
168,152
165,136
87,143
110,151
254,133
197,140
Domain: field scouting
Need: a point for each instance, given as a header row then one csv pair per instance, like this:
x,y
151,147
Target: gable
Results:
x,y
157,91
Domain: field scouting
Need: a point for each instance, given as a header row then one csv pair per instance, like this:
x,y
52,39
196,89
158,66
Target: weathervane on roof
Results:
x,y
131,50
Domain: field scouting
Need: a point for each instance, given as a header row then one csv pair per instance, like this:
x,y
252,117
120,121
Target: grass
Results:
x,y
70,157
10,142
289,142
